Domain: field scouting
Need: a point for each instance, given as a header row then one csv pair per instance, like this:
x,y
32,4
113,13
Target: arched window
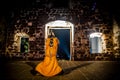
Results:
x,y
21,42
95,43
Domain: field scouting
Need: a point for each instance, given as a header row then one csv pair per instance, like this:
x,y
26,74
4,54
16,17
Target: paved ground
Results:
x,y
74,70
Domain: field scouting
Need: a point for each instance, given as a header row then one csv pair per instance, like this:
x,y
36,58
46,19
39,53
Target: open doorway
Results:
x,y
64,43
64,32
95,43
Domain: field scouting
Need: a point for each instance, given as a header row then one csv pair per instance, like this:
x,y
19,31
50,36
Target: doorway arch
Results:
x,y
63,27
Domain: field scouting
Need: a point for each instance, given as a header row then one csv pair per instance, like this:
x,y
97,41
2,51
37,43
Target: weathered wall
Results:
x,y
116,39
31,23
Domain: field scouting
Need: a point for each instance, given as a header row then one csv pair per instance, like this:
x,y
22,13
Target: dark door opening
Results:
x,y
24,45
64,43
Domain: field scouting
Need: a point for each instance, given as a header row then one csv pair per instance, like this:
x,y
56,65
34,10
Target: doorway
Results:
x,y
64,43
64,32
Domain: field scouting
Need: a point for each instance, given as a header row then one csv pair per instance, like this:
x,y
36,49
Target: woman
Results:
x,y
49,66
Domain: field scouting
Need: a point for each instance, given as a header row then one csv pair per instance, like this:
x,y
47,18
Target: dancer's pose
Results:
x,y
49,66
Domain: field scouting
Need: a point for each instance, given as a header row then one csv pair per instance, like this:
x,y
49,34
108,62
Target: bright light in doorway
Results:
x,y
59,23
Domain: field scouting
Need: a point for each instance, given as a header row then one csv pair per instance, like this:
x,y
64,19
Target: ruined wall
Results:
x,y
116,39
32,22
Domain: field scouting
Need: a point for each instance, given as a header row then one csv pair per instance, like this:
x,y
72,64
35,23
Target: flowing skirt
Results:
x,y
49,67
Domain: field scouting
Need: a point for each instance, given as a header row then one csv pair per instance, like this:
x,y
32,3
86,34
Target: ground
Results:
x,y
73,70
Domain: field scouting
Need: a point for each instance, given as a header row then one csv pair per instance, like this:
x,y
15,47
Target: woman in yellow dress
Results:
x,y
49,66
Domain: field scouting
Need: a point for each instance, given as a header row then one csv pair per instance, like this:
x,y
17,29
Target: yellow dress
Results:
x,y
49,66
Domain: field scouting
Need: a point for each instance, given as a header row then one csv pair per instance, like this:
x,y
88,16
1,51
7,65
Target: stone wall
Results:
x,y
31,23
116,39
